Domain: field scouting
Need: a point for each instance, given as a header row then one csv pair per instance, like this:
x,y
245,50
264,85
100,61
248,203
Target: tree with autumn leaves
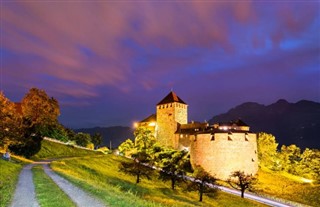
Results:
x,y
23,124
10,122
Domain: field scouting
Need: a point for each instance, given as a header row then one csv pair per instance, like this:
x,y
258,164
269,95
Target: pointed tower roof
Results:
x,y
171,98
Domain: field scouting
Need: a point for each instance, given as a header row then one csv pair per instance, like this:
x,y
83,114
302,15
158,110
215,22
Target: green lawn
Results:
x,y
56,150
9,174
48,193
100,176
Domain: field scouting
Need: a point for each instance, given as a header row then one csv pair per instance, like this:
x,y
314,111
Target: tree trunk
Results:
x,y
138,178
172,183
200,192
242,193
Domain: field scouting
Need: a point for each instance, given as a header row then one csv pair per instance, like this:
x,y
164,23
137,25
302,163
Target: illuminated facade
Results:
x,y
220,148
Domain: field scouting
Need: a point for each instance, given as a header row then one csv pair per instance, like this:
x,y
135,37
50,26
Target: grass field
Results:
x,y
56,150
48,193
9,174
290,187
100,176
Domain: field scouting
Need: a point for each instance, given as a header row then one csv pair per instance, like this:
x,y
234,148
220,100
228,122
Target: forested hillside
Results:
x,y
291,123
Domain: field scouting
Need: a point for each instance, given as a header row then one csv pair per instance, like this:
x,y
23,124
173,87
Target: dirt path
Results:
x,y
24,194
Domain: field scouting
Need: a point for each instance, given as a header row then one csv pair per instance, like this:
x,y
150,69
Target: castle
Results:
x,y
219,148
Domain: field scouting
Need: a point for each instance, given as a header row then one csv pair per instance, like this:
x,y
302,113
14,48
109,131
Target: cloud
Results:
x,y
81,49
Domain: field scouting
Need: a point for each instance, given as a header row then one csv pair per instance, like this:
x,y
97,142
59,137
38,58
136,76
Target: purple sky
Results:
x,y
110,63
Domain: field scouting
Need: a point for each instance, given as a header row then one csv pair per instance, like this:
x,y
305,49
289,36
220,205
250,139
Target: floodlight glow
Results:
x,y
305,180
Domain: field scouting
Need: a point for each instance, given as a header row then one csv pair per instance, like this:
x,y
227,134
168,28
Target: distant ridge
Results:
x,y
115,134
291,123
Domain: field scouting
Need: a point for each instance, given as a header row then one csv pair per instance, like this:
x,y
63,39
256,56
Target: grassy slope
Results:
x,y
56,150
9,171
100,176
288,187
48,193
9,174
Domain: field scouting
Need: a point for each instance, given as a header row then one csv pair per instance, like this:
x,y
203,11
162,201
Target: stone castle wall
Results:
x,y
168,115
224,153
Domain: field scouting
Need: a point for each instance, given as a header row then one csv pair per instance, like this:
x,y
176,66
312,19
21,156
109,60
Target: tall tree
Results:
x,y
309,165
174,165
203,182
96,139
138,166
267,151
39,108
11,128
290,158
241,181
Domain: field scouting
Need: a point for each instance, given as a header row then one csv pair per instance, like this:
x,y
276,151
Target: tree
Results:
x,y
241,181
290,158
30,146
11,128
203,182
39,109
126,147
96,139
174,165
267,151
309,166
144,138
138,166
82,139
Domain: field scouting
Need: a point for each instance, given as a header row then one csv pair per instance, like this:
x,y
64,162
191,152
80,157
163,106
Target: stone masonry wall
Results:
x,y
168,115
224,153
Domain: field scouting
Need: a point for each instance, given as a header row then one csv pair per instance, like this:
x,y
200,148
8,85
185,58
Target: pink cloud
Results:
x,y
52,31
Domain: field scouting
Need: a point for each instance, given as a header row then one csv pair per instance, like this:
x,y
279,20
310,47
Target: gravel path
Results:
x,y
78,196
24,194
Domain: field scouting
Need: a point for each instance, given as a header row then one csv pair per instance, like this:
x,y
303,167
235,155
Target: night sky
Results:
x,y
109,63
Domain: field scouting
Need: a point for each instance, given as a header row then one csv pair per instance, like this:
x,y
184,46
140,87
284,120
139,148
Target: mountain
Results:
x,y
291,123
115,134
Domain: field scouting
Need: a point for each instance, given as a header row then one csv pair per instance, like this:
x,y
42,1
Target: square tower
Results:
x,y
171,111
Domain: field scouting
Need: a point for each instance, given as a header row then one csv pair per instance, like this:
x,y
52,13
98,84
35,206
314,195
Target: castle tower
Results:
x,y
171,111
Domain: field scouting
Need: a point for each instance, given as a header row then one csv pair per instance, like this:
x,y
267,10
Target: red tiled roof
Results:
x,y
171,98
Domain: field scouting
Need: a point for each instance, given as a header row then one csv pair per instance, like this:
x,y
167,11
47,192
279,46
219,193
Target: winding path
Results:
x,y
25,193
